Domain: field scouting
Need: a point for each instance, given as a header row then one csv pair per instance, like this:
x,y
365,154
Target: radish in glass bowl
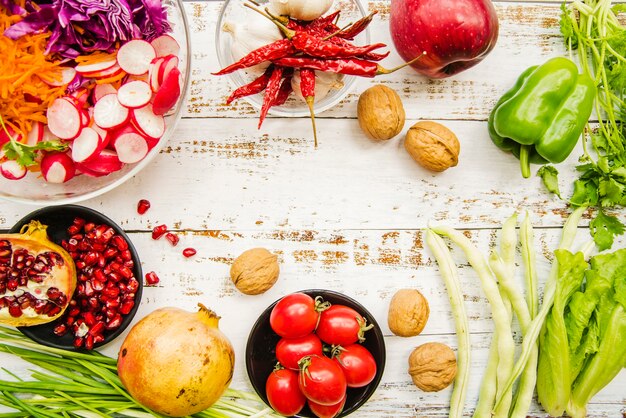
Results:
x,y
103,94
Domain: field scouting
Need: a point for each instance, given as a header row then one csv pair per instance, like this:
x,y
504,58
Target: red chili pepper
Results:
x,y
271,92
370,56
357,27
316,47
349,66
285,87
324,25
254,87
269,52
307,88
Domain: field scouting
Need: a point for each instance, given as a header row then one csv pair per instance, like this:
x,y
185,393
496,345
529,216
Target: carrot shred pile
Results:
x,y
24,95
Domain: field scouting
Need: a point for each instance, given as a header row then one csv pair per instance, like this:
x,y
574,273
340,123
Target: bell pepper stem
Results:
x,y
524,161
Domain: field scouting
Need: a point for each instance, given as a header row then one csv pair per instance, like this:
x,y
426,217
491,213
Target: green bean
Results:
x,y
449,273
505,344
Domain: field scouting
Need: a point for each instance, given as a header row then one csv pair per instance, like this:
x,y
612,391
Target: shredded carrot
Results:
x,y
112,79
24,96
95,57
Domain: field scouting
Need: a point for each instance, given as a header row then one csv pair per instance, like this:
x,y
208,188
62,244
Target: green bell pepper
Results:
x,y
541,118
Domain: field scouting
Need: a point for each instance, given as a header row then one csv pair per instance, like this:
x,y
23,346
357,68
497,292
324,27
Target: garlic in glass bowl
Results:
x,y
332,89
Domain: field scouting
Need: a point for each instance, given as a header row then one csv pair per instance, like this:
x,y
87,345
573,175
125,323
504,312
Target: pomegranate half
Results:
x,y
175,362
37,277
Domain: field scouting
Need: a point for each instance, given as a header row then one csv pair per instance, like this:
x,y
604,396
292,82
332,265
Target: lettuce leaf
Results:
x,y
554,368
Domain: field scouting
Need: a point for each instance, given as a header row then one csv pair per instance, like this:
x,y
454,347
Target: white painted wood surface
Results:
x,y
346,216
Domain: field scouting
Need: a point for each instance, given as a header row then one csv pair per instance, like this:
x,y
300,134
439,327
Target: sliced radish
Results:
x,y
153,73
131,147
148,123
103,133
135,56
4,138
87,145
57,167
35,135
88,69
166,67
84,118
67,75
64,119
47,135
168,93
165,45
11,170
108,73
134,94
102,89
108,113
80,96
104,163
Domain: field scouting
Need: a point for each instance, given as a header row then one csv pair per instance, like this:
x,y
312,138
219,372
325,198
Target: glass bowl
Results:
x,y
33,189
261,352
235,11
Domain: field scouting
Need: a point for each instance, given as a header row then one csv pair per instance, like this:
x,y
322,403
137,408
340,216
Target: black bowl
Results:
x,y
261,351
58,219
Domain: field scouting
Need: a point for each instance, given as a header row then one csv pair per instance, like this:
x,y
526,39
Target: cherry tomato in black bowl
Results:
x,y
261,351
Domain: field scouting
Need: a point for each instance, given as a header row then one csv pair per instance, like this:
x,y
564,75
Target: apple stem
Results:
x,y
382,70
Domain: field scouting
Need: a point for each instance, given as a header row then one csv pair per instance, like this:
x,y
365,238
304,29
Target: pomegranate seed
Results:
x,y
189,252
97,339
152,278
74,229
89,318
172,238
125,272
142,206
119,242
60,330
126,307
132,285
78,342
69,321
158,231
114,323
91,258
15,310
111,292
89,342
109,253
89,227
97,328
12,285
126,255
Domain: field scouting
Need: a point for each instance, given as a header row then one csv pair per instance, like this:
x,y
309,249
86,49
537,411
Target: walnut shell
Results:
x,y
380,112
255,271
432,145
408,313
432,366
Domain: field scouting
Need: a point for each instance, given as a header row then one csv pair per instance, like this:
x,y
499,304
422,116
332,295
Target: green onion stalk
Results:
x,y
85,384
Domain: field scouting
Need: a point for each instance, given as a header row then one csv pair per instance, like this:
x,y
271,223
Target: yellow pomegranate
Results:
x,y
37,277
176,362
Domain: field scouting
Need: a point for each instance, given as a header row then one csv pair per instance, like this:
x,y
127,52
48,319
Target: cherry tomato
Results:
x,y
283,392
290,350
321,380
294,316
327,411
341,325
357,363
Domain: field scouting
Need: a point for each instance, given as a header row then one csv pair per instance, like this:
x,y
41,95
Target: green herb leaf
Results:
x,y
550,177
604,228
585,193
567,28
25,155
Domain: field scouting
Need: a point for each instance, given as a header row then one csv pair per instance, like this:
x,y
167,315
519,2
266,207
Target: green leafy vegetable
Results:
x,y
554,377
550,177
604,228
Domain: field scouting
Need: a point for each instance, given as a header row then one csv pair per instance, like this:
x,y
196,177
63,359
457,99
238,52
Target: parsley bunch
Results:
x,y
592,28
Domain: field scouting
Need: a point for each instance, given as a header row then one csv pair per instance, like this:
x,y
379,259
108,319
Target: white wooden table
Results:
x,y
346,216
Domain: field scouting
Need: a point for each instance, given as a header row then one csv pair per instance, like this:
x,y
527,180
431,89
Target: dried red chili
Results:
x,y
271,92
307,88
256,86
316,47
269,52
285,88
357,27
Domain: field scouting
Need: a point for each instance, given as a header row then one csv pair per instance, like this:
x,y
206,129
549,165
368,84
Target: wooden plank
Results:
x,y
529,35
216,174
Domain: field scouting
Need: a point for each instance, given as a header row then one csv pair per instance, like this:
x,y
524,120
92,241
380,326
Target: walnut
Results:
x,y
432,366
254,271
380,112
408,313
432,145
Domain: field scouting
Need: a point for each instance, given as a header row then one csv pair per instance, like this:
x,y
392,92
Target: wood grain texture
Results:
x,y
346,216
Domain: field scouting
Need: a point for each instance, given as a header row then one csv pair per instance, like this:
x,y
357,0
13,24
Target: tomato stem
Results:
x,y
363,327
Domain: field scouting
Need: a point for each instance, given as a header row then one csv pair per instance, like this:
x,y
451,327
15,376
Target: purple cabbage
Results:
x,y
83,26
11,7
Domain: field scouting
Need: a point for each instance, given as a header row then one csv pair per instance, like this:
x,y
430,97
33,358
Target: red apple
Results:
x,y
455,34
